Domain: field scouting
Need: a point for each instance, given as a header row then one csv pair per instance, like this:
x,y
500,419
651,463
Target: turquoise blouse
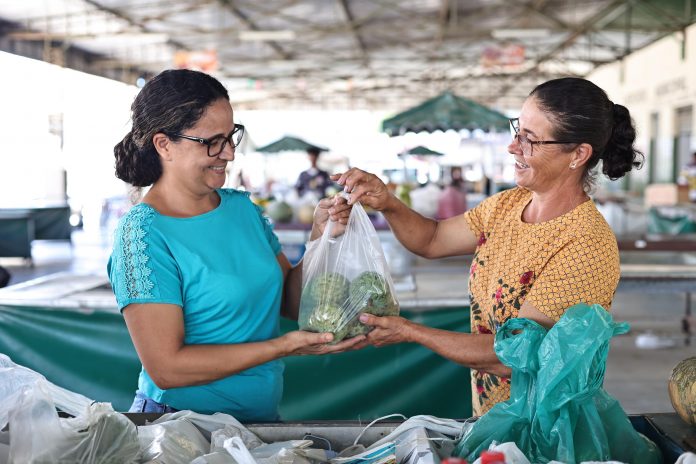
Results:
x,y
221,269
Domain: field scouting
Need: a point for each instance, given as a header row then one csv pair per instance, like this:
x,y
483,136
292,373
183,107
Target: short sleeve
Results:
x,y
141,269
585,270
271,237
478,218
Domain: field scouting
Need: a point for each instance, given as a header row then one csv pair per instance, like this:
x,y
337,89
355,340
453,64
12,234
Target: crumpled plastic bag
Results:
x,y
172,442
419,439
558,409
190,437
15,378
38,435
343,276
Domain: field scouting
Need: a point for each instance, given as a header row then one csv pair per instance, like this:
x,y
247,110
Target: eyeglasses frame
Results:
x,y
208,142
515,124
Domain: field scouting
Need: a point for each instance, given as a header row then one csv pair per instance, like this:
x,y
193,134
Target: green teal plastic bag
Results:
x,y
558,409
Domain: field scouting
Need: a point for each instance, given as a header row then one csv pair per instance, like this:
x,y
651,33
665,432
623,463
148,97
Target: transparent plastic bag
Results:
x,y
98,435
345,275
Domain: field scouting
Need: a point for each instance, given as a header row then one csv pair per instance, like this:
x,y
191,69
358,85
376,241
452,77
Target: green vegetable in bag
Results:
x,y
557,408
370,293
322,300
330,288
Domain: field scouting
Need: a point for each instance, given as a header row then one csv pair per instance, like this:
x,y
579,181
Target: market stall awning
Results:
x,y
444,112
288,143
422,151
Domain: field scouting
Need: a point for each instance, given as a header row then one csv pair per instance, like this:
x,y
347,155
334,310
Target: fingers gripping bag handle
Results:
x,y
345,274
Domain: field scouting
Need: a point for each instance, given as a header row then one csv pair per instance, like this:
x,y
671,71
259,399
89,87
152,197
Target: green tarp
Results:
x,y
661,224
444,112
16,234
91,353
423,151
288,143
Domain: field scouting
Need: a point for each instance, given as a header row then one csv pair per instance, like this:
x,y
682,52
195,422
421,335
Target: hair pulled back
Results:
x,y
581,111
171,102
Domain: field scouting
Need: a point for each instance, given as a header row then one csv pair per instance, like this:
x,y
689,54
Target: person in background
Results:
x,y
538,248
313,179
452,202
688,177
196,269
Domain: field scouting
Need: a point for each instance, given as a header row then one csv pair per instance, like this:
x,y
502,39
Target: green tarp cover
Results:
x,y
423,151
288,143
91,353
16,234
444,112
661,224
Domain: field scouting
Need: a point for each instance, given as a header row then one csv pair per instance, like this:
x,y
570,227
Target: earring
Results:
x,y
572,166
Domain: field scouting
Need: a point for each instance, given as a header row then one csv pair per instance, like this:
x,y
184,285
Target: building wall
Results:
x,y
658,85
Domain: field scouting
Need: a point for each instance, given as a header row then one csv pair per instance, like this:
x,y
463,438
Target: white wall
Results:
x,y
655,79
95,114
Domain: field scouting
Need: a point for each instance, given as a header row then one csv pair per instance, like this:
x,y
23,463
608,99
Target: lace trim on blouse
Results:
x,y
134,269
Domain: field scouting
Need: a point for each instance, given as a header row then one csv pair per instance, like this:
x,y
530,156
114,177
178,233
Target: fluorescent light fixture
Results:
x,y
520,33
262,36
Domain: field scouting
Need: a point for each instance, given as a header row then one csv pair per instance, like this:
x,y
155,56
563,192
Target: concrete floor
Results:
x,y
636,377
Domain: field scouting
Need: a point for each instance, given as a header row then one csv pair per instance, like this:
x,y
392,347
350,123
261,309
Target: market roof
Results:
x,y
343,53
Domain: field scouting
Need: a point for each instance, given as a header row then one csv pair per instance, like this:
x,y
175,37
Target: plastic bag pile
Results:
x,y
345,275
34,432
558,410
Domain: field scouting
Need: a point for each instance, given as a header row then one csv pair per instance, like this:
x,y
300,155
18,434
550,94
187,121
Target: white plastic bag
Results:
x,y
172,442
343,276
38,435
15,378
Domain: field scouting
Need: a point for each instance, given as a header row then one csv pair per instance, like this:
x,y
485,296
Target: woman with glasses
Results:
x,y
538,248
196,269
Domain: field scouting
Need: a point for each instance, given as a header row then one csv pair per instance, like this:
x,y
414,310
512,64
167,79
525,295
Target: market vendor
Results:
x,y
196,269
538,248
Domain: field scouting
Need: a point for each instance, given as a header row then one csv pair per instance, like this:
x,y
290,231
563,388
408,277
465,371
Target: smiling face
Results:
x,y
548,166
190,164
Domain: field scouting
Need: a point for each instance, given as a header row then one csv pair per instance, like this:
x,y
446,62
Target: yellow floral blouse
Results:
x,y
555,264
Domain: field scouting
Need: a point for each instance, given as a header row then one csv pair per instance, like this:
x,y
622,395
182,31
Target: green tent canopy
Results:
x,y
444,112
288,143
422,151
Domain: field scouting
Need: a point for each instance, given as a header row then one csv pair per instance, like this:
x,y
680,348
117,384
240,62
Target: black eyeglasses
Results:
x,y
219,142
526,144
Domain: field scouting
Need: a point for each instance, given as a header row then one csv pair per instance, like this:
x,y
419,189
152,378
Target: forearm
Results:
x,y
201,364
471,350
291,293
414,231
292,287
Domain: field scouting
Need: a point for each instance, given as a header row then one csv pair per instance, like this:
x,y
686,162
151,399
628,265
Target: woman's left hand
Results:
x,y
335,209
387,329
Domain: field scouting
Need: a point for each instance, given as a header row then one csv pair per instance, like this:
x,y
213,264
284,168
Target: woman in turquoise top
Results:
x,y
196,269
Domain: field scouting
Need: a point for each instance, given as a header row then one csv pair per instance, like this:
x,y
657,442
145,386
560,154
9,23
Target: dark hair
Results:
x,y
581,111
312,150
171,102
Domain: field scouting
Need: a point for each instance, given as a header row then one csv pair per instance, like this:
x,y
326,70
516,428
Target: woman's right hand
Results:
x,y
300,342
366,188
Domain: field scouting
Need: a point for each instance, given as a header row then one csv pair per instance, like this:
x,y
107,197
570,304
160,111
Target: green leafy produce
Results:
x,y
330,288
370,293
329,299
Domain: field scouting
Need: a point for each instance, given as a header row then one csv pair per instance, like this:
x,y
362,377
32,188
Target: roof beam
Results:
x,y
356,32
239,14
132,22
